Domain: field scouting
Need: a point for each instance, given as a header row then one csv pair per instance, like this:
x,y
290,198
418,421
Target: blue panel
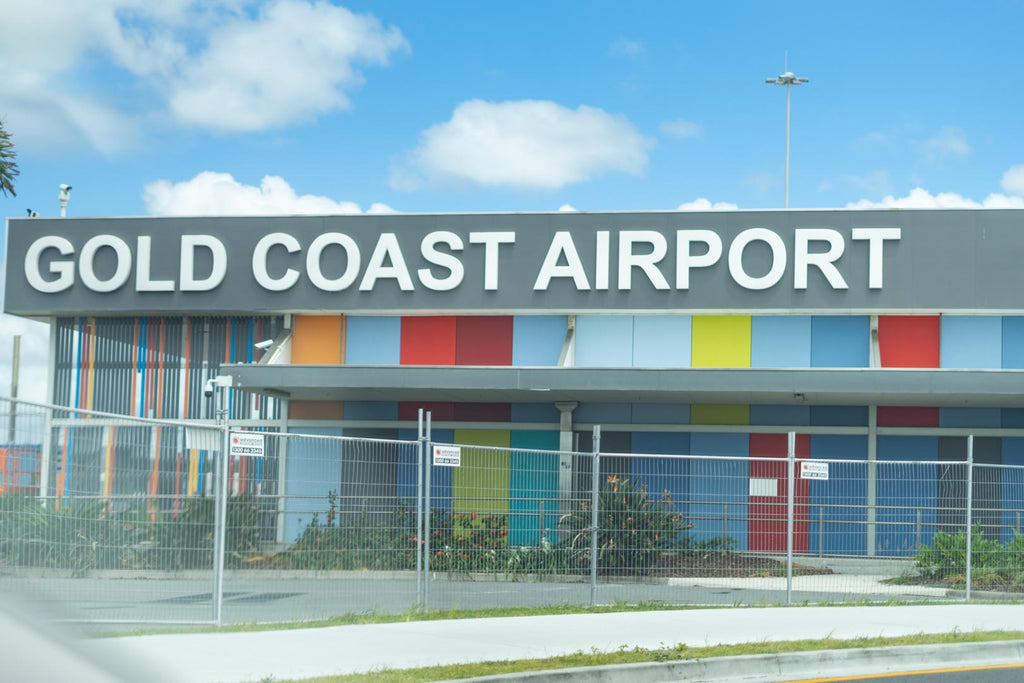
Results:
x,y
1013,342
719,489
834,528
1012,487
666,479
537,339
840,341
372,340
535,412
371,410
603,413
661,341
970,341
780,415
661,413
533,483
903,485
780,341
604,341
311,472
970,417
440,477
839,416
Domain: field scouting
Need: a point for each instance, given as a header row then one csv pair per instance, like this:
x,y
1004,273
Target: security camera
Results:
x,y
65,188
265,344
32,214
208,388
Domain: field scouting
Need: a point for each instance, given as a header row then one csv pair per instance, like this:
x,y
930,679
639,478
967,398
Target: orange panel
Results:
x,y
316,340
314,410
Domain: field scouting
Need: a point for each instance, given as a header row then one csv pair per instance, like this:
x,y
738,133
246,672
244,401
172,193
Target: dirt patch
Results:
x,y
727,564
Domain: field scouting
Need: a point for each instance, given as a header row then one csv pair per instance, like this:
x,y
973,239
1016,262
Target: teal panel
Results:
x,y
534,488
970,341
604,341
780,341
661,341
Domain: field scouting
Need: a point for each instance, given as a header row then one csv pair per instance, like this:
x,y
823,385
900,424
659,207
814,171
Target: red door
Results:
x,y
766,531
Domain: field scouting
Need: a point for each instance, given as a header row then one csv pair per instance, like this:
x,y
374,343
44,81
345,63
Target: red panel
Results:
x,y
909,341
766,530
483,340
428,340
901,416
483,412
409,410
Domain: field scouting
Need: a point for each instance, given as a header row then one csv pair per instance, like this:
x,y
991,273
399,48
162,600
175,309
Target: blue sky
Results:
x,y
303,106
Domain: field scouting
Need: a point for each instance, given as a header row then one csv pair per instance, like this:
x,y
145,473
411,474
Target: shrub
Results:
x,y
633,530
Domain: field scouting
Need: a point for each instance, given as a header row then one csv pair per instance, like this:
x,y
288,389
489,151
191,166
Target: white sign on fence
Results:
x,y
813,470
249,444
447,456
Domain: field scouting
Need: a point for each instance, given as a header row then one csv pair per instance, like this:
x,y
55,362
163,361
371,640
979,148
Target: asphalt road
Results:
x,y
996,674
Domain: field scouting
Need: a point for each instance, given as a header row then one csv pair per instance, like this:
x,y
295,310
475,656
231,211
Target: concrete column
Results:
x,y
565,409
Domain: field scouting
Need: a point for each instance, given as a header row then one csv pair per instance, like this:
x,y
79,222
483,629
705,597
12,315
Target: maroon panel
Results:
x,y
409,410
766,530
903,416
483,412
428,340
483,340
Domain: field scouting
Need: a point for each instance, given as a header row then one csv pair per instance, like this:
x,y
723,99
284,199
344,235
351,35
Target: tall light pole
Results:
x,y
787,79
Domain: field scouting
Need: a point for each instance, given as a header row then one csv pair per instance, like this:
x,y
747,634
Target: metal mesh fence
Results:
x,y
113,519
109,518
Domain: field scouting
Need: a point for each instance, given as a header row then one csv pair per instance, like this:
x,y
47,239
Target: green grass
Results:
x,y
641,655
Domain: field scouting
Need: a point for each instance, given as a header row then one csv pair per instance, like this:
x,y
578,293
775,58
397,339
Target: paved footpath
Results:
x,y
229,657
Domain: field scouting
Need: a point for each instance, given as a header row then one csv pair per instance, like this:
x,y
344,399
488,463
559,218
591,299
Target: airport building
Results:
x,y
875,335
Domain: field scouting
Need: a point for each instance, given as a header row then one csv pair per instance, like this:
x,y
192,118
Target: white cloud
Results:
x,y
702,204
948,142
1013,180
919,198
219,194
221,65
680,128
624,47
567,208
296,60
525,144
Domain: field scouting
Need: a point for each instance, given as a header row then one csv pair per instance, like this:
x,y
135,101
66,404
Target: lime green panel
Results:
x,y
481,482
714,414
721,341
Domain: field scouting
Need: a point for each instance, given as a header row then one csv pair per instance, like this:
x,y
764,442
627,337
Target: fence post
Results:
x,y
595,486
790,490
426,521
970,516
420,452
220,506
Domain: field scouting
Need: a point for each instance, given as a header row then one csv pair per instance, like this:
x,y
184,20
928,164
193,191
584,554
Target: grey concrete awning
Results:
x,y
854,386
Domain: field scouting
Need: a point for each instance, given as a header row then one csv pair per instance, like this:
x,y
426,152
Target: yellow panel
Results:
x,y
714,414
721,341
481,482
316,340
